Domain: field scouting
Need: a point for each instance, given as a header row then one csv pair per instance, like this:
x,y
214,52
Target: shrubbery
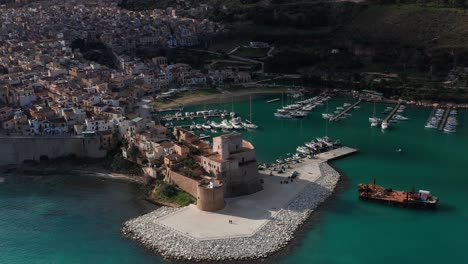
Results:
x,y
121,165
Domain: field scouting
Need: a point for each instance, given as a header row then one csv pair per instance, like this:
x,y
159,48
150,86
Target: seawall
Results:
x,y
16,150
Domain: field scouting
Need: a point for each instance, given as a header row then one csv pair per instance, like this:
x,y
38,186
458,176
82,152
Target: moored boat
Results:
x,y
375,193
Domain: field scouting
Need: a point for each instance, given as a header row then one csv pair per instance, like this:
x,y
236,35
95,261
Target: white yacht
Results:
x,y
282,115
248,123
226,125
237,125
327,115
206,126
302,150
215,125
312,145
384,125
375,122
400,118
372,119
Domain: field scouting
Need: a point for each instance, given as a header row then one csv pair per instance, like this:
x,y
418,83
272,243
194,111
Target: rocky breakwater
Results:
x,y
270,238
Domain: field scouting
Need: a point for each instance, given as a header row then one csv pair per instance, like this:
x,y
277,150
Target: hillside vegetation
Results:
x,y
423,44
411,25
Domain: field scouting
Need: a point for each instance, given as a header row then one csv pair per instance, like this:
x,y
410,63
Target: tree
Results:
x,y
133,152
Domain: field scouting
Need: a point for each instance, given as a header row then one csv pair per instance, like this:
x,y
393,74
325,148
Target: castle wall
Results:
x,y
241,181
210,199
188,185
16,150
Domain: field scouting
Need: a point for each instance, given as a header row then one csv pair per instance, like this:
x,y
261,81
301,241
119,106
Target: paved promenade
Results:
x,y
249,212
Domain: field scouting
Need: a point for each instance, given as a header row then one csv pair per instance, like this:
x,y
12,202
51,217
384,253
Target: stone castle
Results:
x,y
227,169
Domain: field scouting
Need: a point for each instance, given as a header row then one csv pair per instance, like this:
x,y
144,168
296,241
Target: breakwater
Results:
x,y
268,239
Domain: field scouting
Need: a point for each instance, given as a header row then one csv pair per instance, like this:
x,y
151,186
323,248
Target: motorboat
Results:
x,y
400,118
206,126
281,115
213,124
375,122
311,145
298,114
384,125
249,125
237,125
226,125
302,150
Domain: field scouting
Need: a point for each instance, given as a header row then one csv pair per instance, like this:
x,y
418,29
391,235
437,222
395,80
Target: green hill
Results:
x,y
410,25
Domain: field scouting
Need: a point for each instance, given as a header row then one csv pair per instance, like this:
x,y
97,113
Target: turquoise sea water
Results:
x,y
65,220
68,219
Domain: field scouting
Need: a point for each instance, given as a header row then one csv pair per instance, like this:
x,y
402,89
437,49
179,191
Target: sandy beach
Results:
x,y
194,99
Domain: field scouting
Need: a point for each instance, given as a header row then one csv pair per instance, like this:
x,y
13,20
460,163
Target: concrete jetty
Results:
x,y
249,227
337,117
392,113
444,119
273,100
336,153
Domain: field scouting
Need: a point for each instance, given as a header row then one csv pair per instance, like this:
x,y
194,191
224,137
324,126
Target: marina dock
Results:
x,y
273,100
444,119
337,117
173,117
392,113
336,153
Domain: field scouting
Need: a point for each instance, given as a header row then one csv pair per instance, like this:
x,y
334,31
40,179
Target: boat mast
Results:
x,y
374,109
282,99
250,109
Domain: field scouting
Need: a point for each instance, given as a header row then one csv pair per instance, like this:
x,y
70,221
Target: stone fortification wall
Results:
x,y
210,199
15,150
184,183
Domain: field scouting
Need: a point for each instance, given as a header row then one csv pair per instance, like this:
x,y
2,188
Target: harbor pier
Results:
x,y
173,117
444,119
392,113
337,117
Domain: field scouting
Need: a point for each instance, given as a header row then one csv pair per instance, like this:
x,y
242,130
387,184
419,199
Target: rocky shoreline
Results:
x,y
271,237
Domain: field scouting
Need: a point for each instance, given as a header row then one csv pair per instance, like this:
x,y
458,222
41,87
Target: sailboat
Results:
x,y
327,115
248,123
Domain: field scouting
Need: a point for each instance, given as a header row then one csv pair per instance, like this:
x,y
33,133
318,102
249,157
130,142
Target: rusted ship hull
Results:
x,y
404,204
